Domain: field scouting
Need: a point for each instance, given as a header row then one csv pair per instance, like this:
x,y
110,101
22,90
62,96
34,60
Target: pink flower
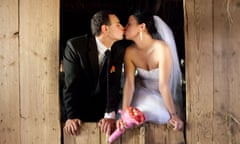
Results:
x,y
132,116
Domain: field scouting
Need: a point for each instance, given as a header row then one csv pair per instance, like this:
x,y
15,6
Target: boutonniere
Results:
x,y
113,69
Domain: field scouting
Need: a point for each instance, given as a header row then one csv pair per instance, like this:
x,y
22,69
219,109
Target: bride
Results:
x,y
152,72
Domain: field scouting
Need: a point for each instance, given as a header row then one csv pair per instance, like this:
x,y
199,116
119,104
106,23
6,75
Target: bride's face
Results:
x,y
132,28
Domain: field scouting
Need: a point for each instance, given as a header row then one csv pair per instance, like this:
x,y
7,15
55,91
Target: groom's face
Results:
x,y
115,29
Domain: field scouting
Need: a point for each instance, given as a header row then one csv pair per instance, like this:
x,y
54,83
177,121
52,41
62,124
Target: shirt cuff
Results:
x,y
110,115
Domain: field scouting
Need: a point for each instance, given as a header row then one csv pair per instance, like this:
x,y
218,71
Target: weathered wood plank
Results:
x,y
131,136
233,10
90,134
9,73
156,134
175,137
39,68
148,133
190,38
227,71
104,139
221,83
199,70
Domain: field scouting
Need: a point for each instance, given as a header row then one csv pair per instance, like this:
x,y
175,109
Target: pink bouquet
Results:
x,y
131,117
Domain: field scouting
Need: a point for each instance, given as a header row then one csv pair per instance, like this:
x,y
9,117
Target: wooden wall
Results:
x,y
29,59
9,73
212,41
148,133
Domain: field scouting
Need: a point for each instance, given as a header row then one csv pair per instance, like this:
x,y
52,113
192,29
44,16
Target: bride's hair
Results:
x,y
147,18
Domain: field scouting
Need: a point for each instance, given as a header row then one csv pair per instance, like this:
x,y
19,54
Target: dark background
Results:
x,y
75,16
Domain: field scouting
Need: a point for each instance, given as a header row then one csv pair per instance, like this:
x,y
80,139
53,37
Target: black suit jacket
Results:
x,y
81,68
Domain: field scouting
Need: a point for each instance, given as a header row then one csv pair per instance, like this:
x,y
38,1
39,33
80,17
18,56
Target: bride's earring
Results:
x,y
140,34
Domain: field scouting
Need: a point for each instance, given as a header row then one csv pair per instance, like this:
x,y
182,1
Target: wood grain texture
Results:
x,y
199,70
212,65
148,133
39,68
9,73
227,70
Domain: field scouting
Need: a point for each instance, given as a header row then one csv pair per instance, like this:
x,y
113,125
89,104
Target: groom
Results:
x,y
90,95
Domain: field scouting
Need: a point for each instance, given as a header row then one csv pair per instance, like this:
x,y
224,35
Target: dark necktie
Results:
x,y
107,53
105,61
104,70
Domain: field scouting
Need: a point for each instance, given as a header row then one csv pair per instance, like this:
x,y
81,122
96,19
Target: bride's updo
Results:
x,y
147,18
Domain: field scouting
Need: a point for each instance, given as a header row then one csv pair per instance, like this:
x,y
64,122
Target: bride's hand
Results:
x,y
176,122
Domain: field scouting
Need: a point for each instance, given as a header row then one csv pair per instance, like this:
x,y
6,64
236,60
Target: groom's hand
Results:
x,y
107,125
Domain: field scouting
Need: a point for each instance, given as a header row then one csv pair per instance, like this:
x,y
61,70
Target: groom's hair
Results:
x,y
100,18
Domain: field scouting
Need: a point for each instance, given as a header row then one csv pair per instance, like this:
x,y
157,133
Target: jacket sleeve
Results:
x,y
71,69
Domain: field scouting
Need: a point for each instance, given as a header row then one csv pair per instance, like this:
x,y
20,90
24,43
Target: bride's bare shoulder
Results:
x,y
161,45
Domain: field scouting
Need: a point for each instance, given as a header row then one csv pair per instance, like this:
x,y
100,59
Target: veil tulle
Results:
x,y
176,76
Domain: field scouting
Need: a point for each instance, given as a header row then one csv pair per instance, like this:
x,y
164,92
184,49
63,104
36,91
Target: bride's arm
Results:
x,y
165,66
129,73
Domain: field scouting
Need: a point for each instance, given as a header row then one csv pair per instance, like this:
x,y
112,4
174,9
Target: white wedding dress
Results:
x,y
147,97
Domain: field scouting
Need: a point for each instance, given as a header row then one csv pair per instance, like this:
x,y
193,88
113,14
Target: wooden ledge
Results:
x,y
148,133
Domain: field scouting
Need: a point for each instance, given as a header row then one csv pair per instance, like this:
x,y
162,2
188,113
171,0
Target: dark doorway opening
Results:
x,y
75,18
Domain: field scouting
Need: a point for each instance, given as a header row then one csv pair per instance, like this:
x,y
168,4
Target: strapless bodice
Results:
x,y
147,78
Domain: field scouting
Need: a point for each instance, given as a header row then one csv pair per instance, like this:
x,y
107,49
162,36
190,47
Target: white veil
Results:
x,y
176,76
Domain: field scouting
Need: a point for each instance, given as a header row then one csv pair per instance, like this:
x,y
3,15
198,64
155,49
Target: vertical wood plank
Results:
x,y
142,135
69,139
39,61
104,139
233,11
221,83
199,70
9,73
156,134
131,136
227,71
175,137
90,134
